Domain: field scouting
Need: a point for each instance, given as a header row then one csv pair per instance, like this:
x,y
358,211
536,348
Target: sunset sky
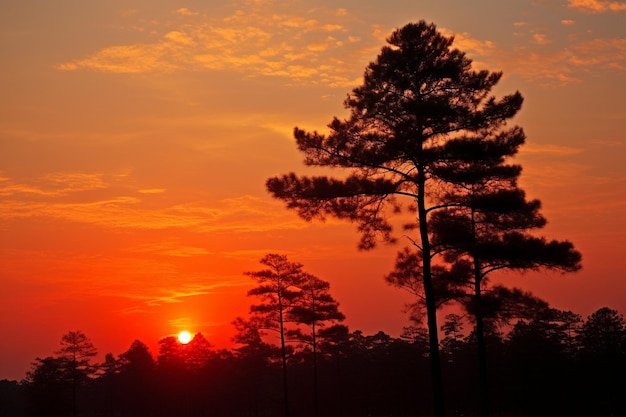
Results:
x,y
136,137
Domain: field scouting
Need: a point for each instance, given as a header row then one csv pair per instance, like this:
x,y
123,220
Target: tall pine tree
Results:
x,y
418,94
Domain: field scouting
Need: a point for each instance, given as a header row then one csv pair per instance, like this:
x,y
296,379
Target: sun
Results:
x,y
184,337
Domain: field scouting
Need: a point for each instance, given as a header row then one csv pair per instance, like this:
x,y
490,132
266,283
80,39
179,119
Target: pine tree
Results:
x,y
280,289
418,94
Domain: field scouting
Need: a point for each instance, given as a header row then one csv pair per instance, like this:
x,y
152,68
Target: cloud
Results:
x,y
477,49
602,52
568,22
545,149
164,290
55,184
172,247
558,65
295,46
59,196
183,11
128,59
152,191
541,39
596,6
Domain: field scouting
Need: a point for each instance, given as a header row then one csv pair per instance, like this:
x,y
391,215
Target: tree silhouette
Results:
x,y
255,358
279,289
487,222
315,308
171,356
602,339
47,383
76,353
547,363
136,375
418,94
603,333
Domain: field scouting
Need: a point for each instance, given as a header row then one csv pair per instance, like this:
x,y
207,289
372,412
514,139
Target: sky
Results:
x,y
136,137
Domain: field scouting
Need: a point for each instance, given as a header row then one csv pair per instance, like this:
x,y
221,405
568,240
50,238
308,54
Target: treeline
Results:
x,y
555,364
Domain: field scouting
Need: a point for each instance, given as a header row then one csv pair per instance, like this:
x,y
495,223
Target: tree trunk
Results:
x,y
482,354
283,354
483,380
431,305
315,405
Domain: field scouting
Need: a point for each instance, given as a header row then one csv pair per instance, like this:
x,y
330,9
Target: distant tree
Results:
x,y
136,377
602,340
12,398
255,359
198,352
137,360
604,333
417,95
569,325
76,352
249,339
453,334
47,387
315,308
280,290
171,357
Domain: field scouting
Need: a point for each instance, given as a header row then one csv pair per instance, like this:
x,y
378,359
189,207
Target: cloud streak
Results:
x,y
305,49
597,6
47,197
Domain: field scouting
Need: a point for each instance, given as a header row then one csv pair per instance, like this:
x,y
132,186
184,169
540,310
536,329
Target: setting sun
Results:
x,y
184,337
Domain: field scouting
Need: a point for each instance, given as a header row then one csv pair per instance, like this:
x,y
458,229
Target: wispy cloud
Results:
x,y
47,197
541,39
146,295
597,6
186,12
54,184
550,149
604,52
308,48
152,191
549,66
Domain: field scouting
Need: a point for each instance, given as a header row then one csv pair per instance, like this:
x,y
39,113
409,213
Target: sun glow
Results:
x,y
184,337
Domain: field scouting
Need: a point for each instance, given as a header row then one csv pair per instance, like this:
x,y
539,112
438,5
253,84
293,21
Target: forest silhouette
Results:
x,y
425,142
551,364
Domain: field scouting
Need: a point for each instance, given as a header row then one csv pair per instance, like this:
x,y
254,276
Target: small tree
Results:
x,y
47,387
279,289
603,334
316,308
255,359
76,353
603,351
136,378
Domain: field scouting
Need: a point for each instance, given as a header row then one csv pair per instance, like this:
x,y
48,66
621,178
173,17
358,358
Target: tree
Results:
x,y
171,356
487,221
198,352
255,359
279,289
76,352
47,387
418,94
604,333
137,372
316,308
603,351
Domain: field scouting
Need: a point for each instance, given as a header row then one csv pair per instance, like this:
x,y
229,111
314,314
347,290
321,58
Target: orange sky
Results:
x,y
136,137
